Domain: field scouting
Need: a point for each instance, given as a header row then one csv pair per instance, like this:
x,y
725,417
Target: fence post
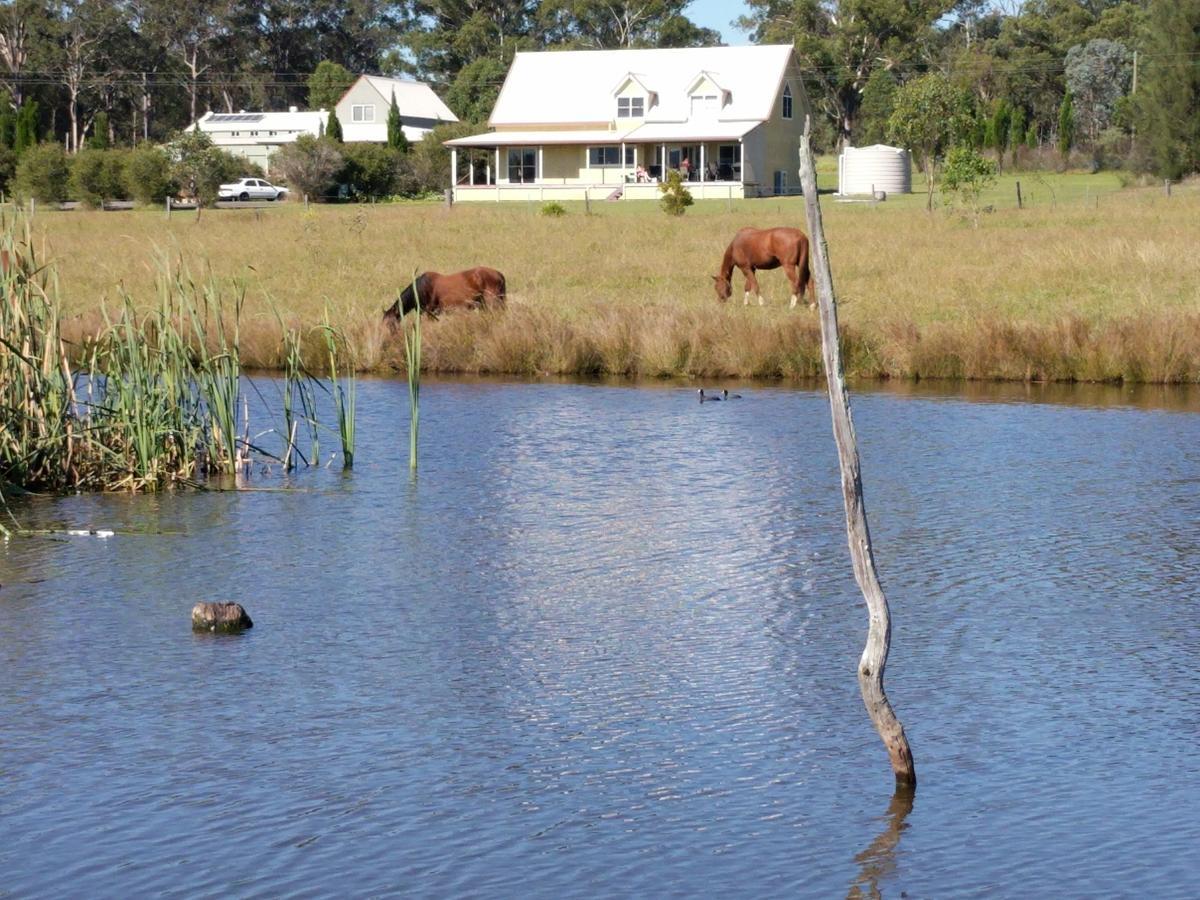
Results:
x,y
449,197
33,204
1020,204
168,205
729,188
587,201
1167,185
306,202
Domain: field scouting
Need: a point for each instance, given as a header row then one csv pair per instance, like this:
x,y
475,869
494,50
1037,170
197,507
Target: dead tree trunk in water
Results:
x,y
874,657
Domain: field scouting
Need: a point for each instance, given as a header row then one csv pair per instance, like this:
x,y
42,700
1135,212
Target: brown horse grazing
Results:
x,y
767,248
480,286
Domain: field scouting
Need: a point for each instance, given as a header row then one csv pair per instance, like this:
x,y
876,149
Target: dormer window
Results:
x,y
631,107
787,101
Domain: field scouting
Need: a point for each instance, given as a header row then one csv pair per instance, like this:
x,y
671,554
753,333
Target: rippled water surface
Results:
x,y
605,645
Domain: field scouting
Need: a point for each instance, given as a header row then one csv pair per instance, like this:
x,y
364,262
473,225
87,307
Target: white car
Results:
x,y
251,189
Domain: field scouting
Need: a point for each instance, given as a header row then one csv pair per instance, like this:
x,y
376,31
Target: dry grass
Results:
x,y
1091,283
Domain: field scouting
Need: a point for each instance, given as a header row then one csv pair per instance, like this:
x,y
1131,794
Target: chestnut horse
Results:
x,y
480,286
767,248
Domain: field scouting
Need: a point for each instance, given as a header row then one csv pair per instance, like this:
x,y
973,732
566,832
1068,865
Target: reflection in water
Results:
x,y
604,646
878,861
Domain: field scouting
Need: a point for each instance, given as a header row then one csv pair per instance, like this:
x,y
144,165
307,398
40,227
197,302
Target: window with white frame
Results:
x,y
522,164
631,107
610,155
706,103
362,112
787,101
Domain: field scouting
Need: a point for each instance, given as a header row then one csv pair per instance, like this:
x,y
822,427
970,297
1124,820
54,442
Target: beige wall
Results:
x,y
781,138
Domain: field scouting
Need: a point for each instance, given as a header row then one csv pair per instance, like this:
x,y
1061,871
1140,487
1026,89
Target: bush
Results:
x,y
98,175
370,171
554,209
43,174
147,175
200,169
309,165
965,175
676,198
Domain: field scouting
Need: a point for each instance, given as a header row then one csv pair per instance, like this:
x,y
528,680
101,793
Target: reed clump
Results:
x,y
149,400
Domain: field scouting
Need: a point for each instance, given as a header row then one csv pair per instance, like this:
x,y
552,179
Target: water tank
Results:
x,y
887,168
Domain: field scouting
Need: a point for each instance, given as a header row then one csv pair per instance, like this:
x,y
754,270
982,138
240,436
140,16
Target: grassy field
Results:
x,y
1087,282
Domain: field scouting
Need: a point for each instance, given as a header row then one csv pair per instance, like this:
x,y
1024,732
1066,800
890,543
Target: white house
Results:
x,y
257,135
583,123
363,109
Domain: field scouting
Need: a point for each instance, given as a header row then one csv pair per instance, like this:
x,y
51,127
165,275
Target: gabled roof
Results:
x,y
573,86
630,76
414,98
710,77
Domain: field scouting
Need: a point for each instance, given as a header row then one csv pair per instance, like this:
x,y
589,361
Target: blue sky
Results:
x,y
718,14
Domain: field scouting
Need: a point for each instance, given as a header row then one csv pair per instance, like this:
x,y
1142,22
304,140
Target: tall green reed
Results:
x,y
342,388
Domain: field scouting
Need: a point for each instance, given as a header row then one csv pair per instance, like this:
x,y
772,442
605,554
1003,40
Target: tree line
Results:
x,y
1117,81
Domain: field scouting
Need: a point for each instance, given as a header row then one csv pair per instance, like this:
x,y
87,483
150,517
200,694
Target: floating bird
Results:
x,y
728,396
709,398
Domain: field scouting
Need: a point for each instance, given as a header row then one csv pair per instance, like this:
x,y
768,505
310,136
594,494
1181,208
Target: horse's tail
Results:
x,y
807,282
501,289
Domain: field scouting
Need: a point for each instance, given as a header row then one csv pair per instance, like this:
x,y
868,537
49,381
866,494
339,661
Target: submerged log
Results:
x,y
879,634
220,618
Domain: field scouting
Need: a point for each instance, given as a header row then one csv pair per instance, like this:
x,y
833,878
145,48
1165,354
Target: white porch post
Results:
x,y
471,168
453,171
487,170
742,165
662,170
541,158
624,168
703,170
497,174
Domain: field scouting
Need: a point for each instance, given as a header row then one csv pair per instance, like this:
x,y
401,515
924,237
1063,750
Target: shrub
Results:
x,y
147,175
554,209
676,198
98,175
43,174
370,170
965,175
309,165
200,169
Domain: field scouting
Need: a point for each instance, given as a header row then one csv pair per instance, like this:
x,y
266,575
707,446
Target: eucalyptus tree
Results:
x,y
840,43
1098,75
931,115
609,24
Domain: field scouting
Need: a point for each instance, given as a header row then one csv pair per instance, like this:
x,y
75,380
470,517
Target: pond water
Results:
x,y
604,645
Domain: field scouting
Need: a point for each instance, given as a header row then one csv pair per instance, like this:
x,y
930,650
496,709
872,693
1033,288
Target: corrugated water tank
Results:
x,y
887,168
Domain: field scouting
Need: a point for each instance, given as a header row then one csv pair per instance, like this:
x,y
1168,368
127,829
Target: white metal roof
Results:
x,y
415,99
653,132
305,121
576,86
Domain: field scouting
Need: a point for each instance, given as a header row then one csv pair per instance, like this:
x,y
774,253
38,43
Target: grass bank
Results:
x,y
1087,282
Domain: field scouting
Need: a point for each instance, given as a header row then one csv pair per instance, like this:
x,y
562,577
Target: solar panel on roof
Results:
x,y
236,117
